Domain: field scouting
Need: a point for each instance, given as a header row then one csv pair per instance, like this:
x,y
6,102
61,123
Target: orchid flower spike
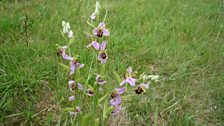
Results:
x,y
102,56
142,88
101,30
67,29
128,78
100,81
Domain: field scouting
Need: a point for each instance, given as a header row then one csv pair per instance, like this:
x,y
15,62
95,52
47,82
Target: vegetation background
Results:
x,y
181,40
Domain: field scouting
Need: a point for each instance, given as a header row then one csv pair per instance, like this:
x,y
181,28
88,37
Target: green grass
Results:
x,y
182,40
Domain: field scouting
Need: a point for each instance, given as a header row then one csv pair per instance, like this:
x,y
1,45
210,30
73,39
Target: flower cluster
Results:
x,y
91,89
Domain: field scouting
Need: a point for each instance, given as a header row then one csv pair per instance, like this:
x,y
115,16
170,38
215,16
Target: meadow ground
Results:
x,y
180,40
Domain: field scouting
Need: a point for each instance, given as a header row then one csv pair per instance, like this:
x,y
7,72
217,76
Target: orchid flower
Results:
x,y
142,88
100,81
61,51
74,64
116,101
128,78
67,29
101,30
76,111
72,86
90,92
102,56
96,12
116,98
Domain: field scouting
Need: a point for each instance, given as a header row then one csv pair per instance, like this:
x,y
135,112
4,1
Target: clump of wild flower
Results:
x,y
100,105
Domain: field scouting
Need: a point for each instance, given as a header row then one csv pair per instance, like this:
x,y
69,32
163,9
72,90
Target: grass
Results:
x,y
181,40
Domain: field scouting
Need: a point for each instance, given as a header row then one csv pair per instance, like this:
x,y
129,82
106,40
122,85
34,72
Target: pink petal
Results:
x,y
72,98
116,101
65,56
120,90
123,82
103,61
95,31
72,67
81,65
102,24
131,81
96,45
106,32
80,87
103,45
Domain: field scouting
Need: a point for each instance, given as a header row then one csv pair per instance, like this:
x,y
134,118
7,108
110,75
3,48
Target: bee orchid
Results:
x,y
74,64
100,81
90,92
61,51
72,86
102,56
141,88
128,78
101,30
116,100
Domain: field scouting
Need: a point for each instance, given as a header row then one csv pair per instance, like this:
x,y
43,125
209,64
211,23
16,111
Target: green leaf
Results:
x,y
87,120
108,111
102,98
118,77
68,109
90,24
97,122
64,66
71,41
